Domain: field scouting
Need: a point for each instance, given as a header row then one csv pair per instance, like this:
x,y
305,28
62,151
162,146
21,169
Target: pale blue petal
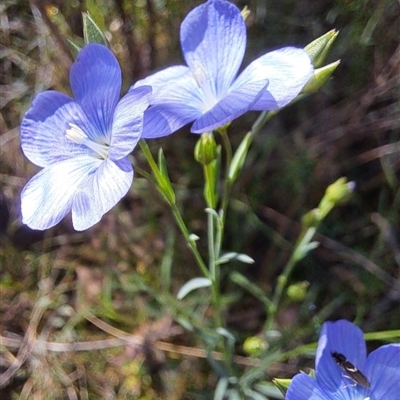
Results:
x,y
48,196
213,37
174,85
163,119
43,129
287,70
343,337
304,387
128,122
176,101
101,191
383,370
230,107
159,79
96,83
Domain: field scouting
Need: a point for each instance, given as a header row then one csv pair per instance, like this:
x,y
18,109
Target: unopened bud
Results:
x,y
298,291
282,384
339,190
254,346
321,76
206,149
319,48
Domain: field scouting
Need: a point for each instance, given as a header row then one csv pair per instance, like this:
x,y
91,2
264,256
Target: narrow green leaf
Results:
x,y
193,284
224,332
221,389
211,171
251,287
226,258
244,258
193,237
163,182
281,387
252,394
233,394
74,47
239,158
212,212
91,31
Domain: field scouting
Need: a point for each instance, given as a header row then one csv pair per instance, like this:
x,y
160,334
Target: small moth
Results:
x,y
352,372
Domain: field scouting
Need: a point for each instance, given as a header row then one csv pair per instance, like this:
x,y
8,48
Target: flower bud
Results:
x,y
321,76
336,193
206,149
298,291
319,48
339,190
282,384
254,346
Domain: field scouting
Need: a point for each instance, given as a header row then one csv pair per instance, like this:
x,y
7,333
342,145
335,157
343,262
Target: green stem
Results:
x,y
297,254
175,211
226,193
214,268
262,119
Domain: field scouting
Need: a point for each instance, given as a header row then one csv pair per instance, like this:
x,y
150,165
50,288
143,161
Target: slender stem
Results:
x,y
226,193
262,119
214,268
175,211
192,244
297,255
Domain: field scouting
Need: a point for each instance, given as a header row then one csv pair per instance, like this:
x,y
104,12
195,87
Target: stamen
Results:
x,y
76,134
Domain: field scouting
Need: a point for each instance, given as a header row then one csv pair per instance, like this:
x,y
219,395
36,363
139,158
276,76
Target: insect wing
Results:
x,y
352,372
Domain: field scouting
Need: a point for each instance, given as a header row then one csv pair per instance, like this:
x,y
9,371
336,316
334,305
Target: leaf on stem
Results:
x,y
244,258
193,284
239,157
91,31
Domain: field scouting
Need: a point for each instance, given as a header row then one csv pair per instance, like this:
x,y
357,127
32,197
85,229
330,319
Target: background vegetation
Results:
x,y
121,277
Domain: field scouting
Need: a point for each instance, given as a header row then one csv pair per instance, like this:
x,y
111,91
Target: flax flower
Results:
x,y
82,144
343,370
208,90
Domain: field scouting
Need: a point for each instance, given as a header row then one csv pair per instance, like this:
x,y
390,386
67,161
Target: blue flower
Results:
x,y
208,90
381,369
82,144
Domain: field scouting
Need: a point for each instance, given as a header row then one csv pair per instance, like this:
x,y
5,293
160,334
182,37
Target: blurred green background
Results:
x,y
122,275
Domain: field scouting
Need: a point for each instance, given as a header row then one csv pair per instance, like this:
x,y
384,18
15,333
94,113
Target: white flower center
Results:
x,y
204,82
76,134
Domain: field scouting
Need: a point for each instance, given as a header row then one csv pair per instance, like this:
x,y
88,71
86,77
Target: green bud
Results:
x,y
254,346
335,194
282,384
339,190
319,48
321,76
206,151
298,291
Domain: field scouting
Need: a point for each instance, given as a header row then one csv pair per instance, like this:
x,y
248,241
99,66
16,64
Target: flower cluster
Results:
x,y
343,370
83,143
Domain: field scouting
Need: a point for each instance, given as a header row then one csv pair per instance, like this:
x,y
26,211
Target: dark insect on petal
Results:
x,y
352,372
